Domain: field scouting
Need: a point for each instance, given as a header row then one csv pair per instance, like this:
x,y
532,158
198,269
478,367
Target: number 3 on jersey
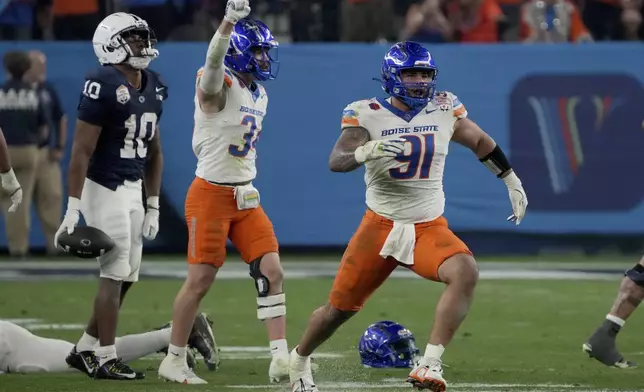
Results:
x,y
250,138
138,134
421,156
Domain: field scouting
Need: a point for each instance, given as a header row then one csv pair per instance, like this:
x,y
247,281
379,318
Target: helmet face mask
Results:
x,y
409,74
123,38
253,50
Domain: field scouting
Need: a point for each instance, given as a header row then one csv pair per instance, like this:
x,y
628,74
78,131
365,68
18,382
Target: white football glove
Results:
x,y
236,10
70,221
11,185
151,221
518,198
377,149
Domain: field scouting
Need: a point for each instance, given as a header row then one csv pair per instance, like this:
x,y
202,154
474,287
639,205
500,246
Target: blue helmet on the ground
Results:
x,y
387,344
253,49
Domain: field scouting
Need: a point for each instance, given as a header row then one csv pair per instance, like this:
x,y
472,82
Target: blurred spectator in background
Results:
x,y
75,20
23,123
426,22
631,19
17,19
367,20
48,187
158,14
480,21
552,21
614,20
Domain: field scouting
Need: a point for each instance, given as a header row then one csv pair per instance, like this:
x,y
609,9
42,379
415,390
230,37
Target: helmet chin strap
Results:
x,y
142,62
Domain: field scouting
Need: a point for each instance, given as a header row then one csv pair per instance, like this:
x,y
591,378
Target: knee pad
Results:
x,y
636,274
262,284
271,306
268,306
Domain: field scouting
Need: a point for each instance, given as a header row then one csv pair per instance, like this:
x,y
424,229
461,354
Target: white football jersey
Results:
x,y
224,142
409,188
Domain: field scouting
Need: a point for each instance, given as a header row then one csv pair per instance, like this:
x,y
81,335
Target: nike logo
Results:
x,y
175,354
427,111
126,375
159,89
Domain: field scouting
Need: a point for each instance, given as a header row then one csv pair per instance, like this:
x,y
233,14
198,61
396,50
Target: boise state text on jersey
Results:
x,y
128,118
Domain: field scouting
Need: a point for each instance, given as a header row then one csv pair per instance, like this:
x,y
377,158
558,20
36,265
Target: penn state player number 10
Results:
x,y
421,156
138,133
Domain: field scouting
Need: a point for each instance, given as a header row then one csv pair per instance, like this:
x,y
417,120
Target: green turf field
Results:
x,y
520,336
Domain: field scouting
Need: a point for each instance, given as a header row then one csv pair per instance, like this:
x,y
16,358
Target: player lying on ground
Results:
x,y
602,344
8,177
222,202
116,148
23,352
403,142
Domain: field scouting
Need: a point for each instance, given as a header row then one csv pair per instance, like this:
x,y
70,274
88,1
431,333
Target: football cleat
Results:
x,y
203,340
191,360
428,376
115,369
602,346
176,370
84,361
300,374
278,369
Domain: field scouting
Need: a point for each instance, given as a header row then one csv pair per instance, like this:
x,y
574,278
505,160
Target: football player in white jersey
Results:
x,y
23,352
403,142
222,203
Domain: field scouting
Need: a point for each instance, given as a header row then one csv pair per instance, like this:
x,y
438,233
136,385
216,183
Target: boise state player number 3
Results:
x,y
250,138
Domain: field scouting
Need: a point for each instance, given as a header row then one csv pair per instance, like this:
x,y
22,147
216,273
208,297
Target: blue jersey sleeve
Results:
x,y
95,105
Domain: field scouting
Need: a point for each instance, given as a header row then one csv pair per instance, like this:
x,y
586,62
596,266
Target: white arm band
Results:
x,y
212,79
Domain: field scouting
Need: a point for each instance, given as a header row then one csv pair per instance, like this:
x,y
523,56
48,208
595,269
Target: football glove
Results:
x,y
151,221
377,149
12,186
70,221
518,198
236,10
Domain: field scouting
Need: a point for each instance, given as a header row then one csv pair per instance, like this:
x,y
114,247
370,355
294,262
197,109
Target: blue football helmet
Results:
x,y
387,344
248,39
408,55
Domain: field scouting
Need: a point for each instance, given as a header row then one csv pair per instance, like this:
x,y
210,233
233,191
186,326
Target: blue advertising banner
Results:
x,y
567,116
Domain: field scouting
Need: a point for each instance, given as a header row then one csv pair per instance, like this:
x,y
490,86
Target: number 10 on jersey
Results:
x,y
421,157
138,134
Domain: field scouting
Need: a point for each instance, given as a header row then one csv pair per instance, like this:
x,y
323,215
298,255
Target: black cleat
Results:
x,y
602,347
202,339
115,369
83,361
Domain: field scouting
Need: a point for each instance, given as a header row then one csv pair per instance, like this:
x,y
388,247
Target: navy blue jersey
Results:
x,y
128,118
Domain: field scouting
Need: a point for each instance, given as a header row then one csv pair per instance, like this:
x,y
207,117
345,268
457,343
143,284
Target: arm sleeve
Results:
x,y
212,79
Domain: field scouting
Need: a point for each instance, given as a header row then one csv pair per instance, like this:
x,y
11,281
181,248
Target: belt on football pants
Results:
x,y
230,183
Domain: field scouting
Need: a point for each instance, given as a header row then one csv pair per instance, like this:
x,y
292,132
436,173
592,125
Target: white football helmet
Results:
x,y
112,46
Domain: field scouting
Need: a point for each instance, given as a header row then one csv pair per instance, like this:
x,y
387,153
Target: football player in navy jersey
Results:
x,y
116,151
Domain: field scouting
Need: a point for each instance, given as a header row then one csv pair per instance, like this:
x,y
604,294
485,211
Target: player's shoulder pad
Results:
x,y
158,82
356,112
101,83
448,101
